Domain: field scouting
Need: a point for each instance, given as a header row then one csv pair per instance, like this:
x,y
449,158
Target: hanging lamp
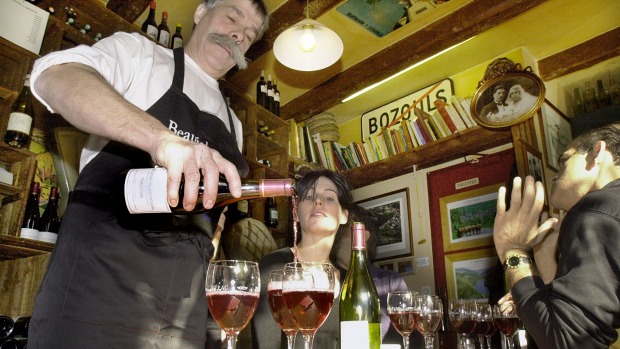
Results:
x,y
308,46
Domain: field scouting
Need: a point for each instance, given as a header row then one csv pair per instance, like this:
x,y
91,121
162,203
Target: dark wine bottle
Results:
x,y
269,98
145,191
6,327
177,37
602,95
261,90
360,314
276,99
49,220
31,216
21,117
163,32
271,213
149,27
14,343
20,328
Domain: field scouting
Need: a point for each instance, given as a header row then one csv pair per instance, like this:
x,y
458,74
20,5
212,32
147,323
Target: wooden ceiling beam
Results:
x,y
470,20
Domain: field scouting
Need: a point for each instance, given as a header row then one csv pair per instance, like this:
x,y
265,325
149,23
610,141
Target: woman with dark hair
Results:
x,y
323,207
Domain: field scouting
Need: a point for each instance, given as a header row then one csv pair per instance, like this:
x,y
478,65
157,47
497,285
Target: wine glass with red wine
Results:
x,y
507,322
403,312
484,325
278,309
308,291
431,314
462,314
233,289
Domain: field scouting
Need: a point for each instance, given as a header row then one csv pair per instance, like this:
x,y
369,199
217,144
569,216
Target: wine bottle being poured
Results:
x,y
145,191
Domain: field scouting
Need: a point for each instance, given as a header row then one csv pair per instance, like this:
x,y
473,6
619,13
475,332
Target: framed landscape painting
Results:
x,y
392,212
466,273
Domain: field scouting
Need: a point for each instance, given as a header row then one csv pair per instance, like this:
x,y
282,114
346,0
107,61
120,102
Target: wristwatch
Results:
x,y
514,261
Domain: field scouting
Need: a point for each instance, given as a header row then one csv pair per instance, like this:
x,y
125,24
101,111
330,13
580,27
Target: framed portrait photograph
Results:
x,y
467,271
405,266
392,213
533,163
467,218
508,99
387,265
556,133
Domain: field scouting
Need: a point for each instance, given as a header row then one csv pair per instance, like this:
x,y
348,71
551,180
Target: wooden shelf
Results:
x,y
12,247
469,141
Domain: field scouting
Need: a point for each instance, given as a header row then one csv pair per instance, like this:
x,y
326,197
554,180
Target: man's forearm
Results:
x,y
88,102
524,270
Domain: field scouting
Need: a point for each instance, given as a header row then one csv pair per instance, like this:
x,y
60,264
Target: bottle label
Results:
x,y
273,214
270,92
177,42
263,88
19,122
152,31
355,334
146,190
164,38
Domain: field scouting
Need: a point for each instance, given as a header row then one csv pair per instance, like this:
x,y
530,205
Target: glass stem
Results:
x,y
428,340
291,340
406,342
308,340
488,342
481,341
231,339
511,342
459,341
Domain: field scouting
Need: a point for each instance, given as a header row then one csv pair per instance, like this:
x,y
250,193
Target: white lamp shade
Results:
x,y
289,52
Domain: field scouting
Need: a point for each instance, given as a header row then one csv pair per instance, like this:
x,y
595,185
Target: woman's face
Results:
x,y
319,212
515,94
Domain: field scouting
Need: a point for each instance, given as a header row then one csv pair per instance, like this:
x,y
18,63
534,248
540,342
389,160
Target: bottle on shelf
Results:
x,y
71,15
85,29
360,315
177,37
21,118
275,108
154,200
269,98
32,216
149,27
271,213
163,32
614,91
6,327
261,90
49,221
578,105
589,98
602,96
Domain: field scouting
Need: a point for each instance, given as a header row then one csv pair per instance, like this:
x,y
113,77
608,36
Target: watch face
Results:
x,y
513,261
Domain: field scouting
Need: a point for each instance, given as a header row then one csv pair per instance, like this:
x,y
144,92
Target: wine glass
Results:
x,y
278,309
232,289
484,324
462,313
507,322
431,314
403,312
308,291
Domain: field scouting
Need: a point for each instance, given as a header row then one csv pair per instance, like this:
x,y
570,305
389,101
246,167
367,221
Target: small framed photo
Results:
x,y
508,99
405,266
387,265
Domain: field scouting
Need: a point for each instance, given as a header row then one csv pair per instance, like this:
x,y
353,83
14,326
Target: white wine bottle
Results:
x,y
145,191
360,314
20,120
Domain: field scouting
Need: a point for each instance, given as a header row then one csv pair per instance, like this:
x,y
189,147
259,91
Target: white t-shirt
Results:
x,y
141,71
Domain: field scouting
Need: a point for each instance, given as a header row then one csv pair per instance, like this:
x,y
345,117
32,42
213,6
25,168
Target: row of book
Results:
x,y
419,129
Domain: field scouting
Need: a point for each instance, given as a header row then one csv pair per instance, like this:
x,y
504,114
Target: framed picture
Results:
x,y
466,272
508,99
533,163
388,265
392,212
405,266
556,133
467,218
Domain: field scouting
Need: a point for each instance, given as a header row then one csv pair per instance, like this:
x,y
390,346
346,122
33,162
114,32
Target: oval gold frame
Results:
x,y
530,83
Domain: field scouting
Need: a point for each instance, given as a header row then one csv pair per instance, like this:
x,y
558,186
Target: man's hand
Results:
x,y
186,159
517,228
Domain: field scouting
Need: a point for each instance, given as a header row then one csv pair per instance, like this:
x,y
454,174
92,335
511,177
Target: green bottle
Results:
x,y
360,314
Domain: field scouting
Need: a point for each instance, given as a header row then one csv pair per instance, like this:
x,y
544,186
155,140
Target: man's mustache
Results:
x,y
230,44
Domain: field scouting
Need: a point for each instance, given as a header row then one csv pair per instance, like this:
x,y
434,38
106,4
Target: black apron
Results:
x,y
132,281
